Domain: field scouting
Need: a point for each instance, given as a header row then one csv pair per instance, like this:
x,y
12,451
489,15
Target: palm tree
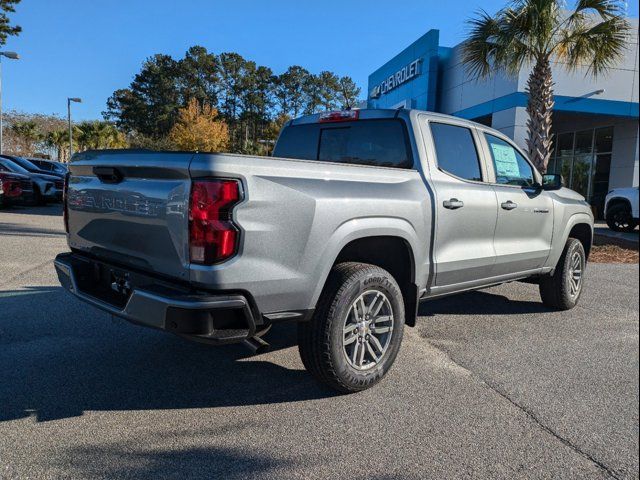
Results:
x,y
97,134
86,136
535,32
28,134
58,140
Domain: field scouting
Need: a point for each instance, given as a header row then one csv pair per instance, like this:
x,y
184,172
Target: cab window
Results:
x,y
456,151
510,166
375,142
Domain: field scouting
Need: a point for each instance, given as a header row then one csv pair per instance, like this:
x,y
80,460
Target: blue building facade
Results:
x,y
595,119
389,86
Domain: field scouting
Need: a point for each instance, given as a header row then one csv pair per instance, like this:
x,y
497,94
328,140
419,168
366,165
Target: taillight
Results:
x,y
65,207
213,237
339,116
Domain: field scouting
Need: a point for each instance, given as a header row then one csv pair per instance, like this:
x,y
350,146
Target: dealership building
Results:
x,y
595,121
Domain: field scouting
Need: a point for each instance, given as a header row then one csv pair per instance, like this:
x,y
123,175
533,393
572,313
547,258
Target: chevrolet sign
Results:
x,y
393,81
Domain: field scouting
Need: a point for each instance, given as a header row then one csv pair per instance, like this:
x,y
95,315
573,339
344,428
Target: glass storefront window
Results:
x,y
584,142
604,140
564,166
584,160
564,144
581,173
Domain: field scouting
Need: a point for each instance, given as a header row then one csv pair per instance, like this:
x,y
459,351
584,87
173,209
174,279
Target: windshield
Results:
x,y
14,167
23,162
41,164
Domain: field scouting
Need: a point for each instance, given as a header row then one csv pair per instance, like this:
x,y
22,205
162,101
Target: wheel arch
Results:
x,y
617,201
392,249
583,233
578,225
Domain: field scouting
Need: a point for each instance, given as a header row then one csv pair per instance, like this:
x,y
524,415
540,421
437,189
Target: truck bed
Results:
x,y
289,217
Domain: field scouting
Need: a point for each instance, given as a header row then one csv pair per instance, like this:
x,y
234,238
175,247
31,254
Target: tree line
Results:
x,y
47,136
201,102
251,100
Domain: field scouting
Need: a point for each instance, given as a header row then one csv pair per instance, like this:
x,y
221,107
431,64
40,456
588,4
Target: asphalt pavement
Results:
x,y
490,384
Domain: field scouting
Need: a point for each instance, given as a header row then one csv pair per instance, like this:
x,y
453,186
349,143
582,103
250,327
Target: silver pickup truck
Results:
x,y
358,217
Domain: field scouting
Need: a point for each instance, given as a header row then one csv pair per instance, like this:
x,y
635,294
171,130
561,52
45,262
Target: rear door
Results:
x,y
525,212
466,207
131,208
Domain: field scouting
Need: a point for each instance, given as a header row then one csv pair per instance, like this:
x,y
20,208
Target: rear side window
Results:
x,y
382,143
456,151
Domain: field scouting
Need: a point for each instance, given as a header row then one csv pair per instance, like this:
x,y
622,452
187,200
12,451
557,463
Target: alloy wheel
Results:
x,y
622,219
575,274
367,330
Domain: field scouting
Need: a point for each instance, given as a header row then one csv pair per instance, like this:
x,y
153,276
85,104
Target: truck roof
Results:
x,y
375,113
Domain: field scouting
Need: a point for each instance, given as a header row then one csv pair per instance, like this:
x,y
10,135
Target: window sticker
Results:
x,y
506,161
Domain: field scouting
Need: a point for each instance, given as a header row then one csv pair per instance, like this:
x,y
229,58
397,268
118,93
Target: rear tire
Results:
x,y
355,333
620,219
562,290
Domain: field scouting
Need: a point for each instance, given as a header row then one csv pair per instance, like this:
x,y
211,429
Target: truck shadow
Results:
x,y
479,303
136,460
59,358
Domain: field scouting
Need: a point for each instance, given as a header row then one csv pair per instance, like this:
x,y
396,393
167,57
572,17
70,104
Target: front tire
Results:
x,y
355,333
620,219
562,290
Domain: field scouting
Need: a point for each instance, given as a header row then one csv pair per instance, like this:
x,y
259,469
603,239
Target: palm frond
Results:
x,y
597,45
481,47
604,8
527,31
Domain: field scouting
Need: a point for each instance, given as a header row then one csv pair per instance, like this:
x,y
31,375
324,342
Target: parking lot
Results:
x,y
489,384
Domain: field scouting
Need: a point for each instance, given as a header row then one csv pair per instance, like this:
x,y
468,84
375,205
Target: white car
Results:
x,y
621,209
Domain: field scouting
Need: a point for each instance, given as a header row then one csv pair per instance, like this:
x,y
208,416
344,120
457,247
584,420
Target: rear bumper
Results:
x,y
215,318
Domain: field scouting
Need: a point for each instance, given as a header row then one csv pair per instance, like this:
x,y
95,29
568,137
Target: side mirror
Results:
x,y
552,182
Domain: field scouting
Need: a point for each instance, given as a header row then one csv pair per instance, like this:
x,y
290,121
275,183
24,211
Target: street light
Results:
x,y
69,100
12,56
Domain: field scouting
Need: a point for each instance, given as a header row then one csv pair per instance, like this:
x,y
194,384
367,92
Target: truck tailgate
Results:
x,y
131,207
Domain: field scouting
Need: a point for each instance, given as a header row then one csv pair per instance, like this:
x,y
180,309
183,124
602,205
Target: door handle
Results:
x,y
509,205
453,204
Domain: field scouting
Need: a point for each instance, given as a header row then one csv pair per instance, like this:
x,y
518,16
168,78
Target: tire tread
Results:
x,y
553,288
314,336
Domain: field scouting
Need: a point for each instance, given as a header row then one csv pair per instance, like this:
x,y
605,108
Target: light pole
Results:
x,y
69,100
12,56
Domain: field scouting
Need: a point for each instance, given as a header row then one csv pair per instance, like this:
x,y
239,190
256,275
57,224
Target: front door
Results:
x,y
466,207
525,212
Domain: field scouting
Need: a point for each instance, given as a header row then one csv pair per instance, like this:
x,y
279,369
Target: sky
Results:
x,y
88,49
